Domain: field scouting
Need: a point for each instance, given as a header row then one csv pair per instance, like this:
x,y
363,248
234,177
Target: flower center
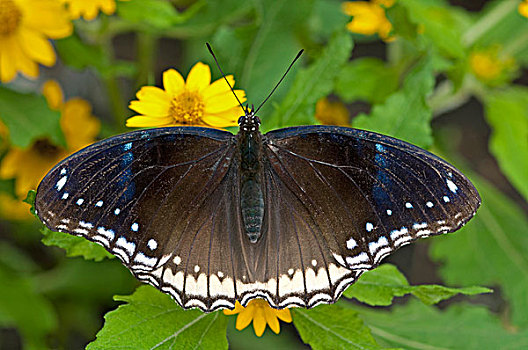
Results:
x,y
10,17
45,149
187,108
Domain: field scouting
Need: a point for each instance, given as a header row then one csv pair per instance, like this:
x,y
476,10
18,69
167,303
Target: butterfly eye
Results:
x,y
241,119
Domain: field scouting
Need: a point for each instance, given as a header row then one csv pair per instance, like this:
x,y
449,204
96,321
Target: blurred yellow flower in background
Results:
x,y
331,113
25,29
196,101
259,311
29,166
523,8
89,9
369,17
488,65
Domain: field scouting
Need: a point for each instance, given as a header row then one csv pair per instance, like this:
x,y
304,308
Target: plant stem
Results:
x,y
146,52
488,21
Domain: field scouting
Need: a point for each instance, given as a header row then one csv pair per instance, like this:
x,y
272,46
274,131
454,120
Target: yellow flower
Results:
x,y
488,66
369,17
523,8
25,27
192,102
331,113
261,313
29,166
89,9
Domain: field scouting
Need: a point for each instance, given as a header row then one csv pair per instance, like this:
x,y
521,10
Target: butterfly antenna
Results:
x,y
227,81
281,79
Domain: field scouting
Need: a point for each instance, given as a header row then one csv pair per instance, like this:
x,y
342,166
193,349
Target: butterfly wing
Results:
x,y
164,201
341,199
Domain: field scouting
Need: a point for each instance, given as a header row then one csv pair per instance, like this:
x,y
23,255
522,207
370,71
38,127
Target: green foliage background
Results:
x,y
418,89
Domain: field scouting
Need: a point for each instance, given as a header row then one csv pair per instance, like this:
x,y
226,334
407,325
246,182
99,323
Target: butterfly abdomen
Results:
x,y
251,196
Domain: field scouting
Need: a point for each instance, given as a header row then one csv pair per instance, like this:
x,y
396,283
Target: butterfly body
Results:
x,y
293,216
249,148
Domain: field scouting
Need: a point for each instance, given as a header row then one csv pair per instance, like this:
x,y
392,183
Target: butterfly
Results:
x,y
293,216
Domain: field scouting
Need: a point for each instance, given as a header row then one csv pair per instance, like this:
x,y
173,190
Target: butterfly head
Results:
x,y
249,121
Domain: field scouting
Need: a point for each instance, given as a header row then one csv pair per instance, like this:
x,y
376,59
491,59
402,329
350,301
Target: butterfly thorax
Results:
x,y
251,195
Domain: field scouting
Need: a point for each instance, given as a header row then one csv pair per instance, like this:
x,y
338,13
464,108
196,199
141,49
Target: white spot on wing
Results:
x,y
117,211
61,182
408,205
369,226
389,212
177,260
196,268
63,171
429,204
446,199
99,204
152,244
65,195
451,185
351,243
80,201
314,262
134,227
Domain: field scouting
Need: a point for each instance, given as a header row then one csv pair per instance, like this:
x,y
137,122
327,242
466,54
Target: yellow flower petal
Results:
x,y
79,126
259,321
218,87
224,119
173,82
37,47
272,320
244,318
199,77
153,94
53,93
284,315
331,113
48,17
238,308
223,102
7,63
150,108
523,8
140,121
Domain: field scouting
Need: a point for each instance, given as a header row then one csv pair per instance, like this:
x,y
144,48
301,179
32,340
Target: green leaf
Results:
x,y
438,24
151,319
264,49
161,13
28,118
313,83
490,249
368,79
405,114
332,327
417,326
23,308
75,53
507,115
378,287
75,246
30,199
326,18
